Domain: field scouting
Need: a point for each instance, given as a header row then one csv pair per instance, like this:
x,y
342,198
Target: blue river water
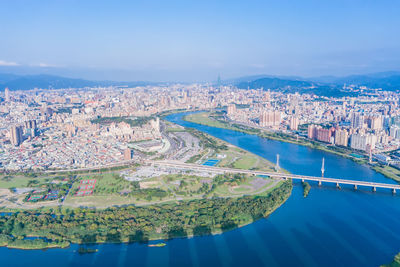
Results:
x,y
330,227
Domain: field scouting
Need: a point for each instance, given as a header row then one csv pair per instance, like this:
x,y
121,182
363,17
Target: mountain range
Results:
x,y
28,82
323,85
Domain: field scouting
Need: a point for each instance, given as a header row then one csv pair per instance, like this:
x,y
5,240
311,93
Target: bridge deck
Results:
x,y
191,166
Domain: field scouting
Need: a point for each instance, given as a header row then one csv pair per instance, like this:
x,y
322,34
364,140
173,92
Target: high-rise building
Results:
x,y
341,137
7,94
270,118
395,132
325,135
231,109
312,131
387,122
357,121
16,135
294,123
316,132
31,124
376,122
363,141
30,128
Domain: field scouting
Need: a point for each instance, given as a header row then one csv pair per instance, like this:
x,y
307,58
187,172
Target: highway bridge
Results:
x,y
277,175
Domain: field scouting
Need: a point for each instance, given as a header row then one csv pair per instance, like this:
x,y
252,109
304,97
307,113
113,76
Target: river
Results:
x,y
330,227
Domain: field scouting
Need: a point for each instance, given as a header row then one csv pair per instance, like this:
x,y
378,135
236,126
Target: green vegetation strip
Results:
x,y
132,122
60,227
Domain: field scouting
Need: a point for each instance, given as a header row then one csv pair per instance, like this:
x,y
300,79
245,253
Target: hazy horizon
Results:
x,y
35,72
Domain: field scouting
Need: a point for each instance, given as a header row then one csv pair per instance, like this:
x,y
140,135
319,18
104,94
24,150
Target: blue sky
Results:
x,y
197,40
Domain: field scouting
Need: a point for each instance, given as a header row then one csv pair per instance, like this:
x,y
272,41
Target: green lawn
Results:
x,y
242,189
100,201
203,118
106,183
226,190
389,172
172,130
19,181
246,162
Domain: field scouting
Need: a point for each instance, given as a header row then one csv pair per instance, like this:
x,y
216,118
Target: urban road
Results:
x,y
277,175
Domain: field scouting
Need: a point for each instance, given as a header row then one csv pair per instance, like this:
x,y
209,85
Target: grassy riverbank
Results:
x,y
59,227
30,244
213,120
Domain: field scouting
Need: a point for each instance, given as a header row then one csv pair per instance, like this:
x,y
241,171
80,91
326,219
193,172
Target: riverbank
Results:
x,y
206,118
59,228
24,243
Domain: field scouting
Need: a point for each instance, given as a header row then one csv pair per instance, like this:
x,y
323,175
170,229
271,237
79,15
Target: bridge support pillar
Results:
x,y
394,191
374,189
338,185
319,183
355,187
302,180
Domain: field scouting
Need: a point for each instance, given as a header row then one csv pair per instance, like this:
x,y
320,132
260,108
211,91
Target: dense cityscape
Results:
x,y
94,127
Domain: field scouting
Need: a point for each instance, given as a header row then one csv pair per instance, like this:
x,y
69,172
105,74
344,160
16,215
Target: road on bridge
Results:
x,y
355,183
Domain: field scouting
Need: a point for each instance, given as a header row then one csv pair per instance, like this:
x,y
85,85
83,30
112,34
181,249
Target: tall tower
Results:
x,y
323,167
219,81
7,94
277,167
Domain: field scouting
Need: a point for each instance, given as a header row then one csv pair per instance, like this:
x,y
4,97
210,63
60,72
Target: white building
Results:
x,y
361,141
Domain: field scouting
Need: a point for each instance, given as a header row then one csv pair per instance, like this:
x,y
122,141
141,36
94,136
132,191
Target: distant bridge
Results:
x,y
320,180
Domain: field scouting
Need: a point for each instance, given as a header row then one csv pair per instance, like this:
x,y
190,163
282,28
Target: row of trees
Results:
x,y
139,121
207,141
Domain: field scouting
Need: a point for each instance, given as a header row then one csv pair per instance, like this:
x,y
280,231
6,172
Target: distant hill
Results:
x,y
258,77
388,83
293,86
389,80
324,85
274,83
28,82
6,77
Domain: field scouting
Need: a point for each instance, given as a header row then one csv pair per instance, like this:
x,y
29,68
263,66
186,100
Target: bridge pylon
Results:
x,y
277,167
